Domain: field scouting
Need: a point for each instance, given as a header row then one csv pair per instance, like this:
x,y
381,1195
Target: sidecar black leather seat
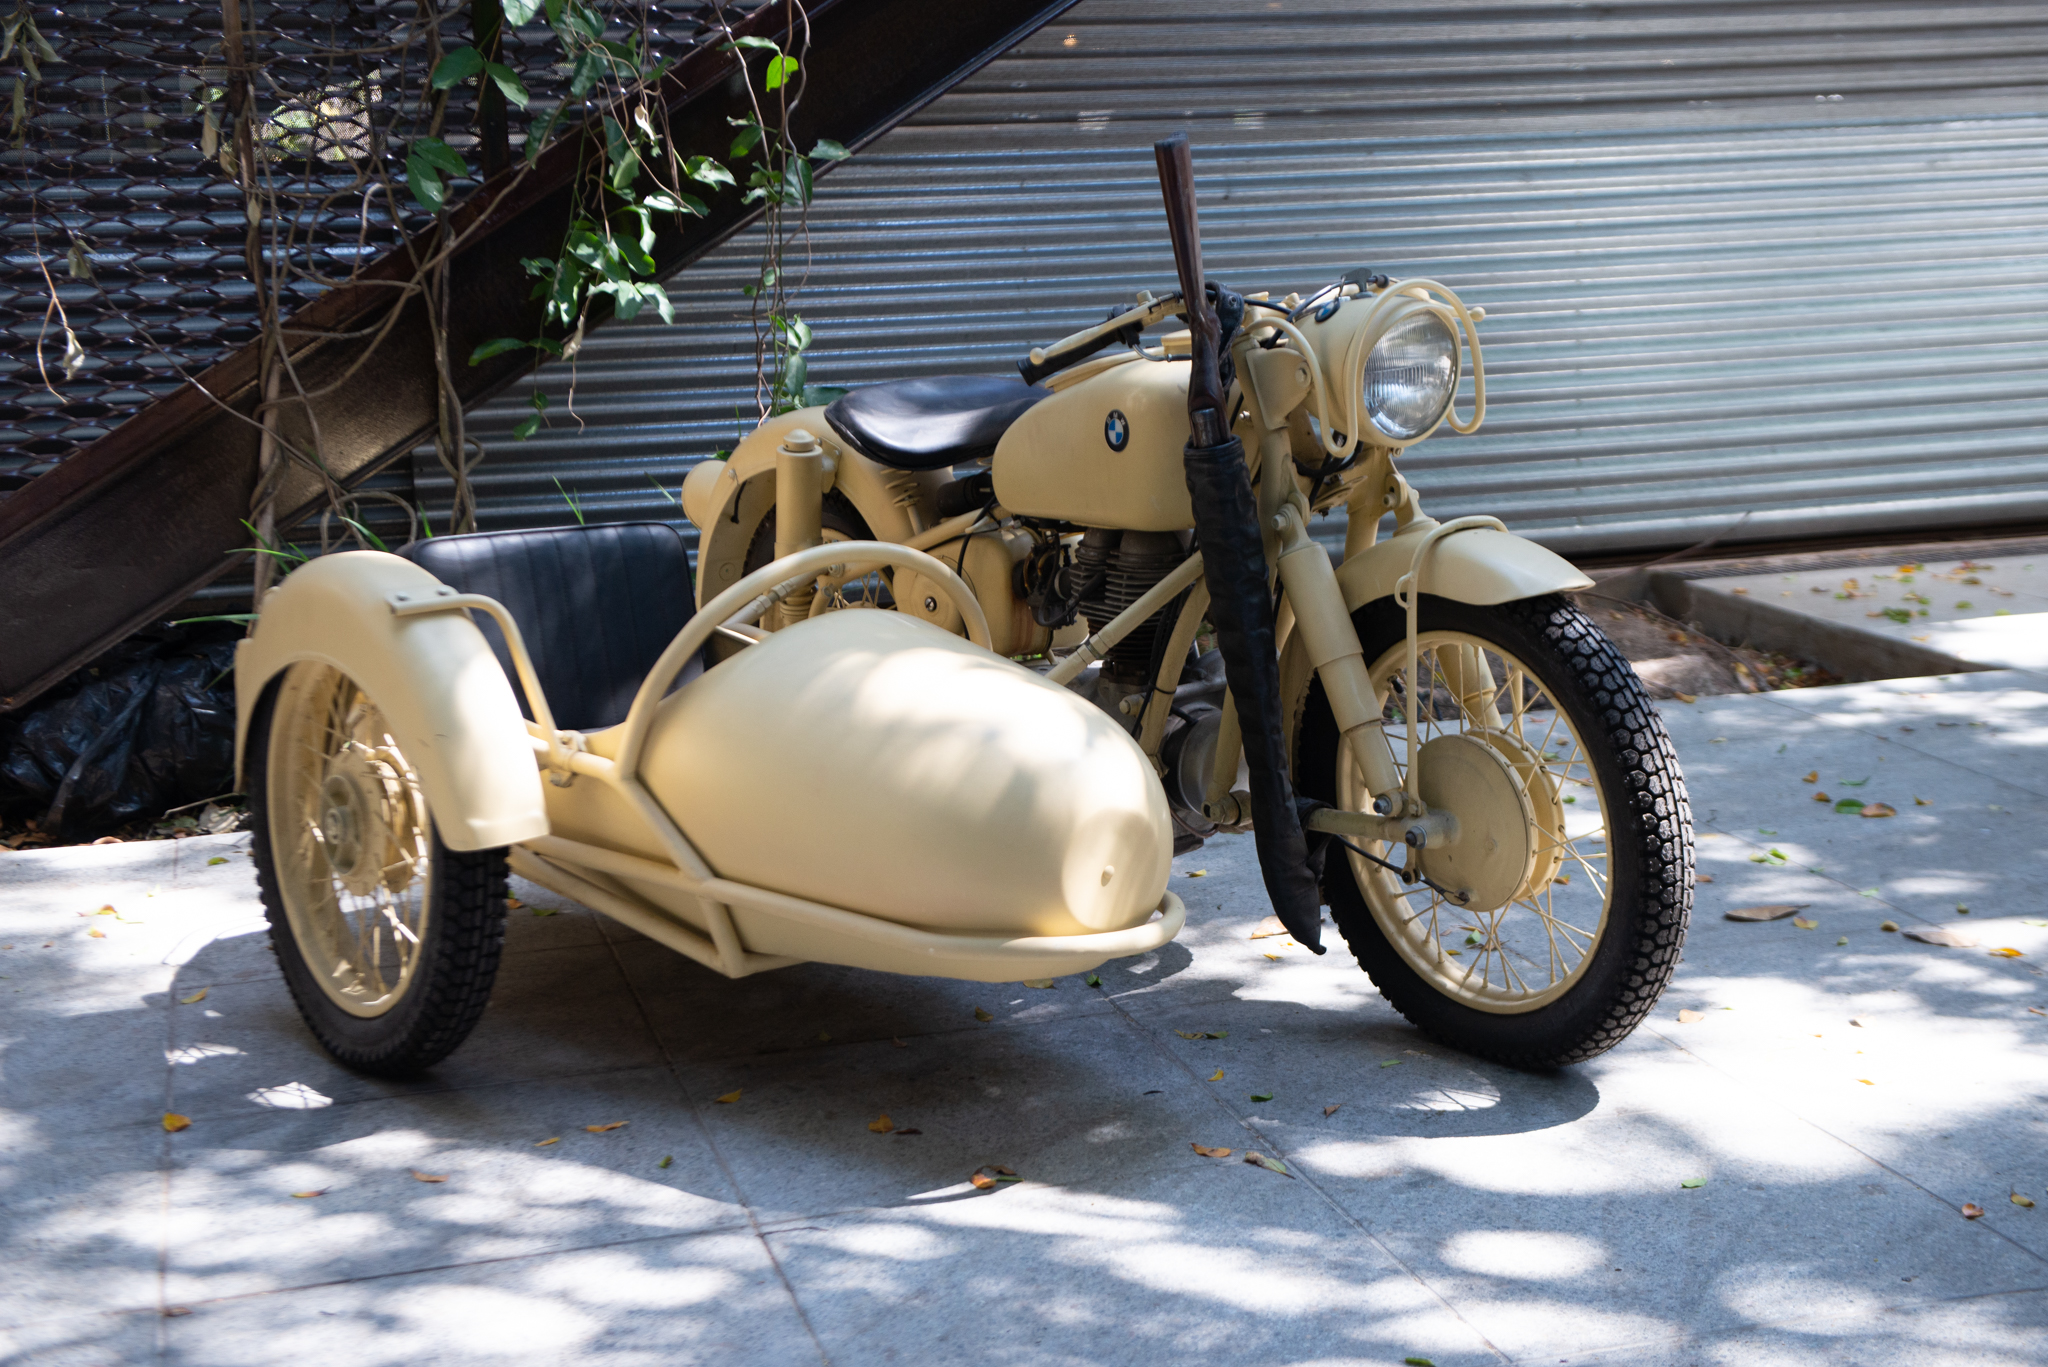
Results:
x,y
933,423
597,605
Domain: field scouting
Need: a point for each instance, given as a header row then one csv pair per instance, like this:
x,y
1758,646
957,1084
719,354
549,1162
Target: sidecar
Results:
x,y
862,788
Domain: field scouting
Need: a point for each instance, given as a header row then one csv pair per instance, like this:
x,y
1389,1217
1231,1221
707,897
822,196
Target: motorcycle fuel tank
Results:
x,y
1104,451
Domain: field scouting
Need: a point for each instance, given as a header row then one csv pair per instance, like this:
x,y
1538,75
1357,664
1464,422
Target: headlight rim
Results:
x,y
1364,417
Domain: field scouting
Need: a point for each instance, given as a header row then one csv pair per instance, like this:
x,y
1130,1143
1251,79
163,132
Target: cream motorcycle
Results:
x,y
1427,736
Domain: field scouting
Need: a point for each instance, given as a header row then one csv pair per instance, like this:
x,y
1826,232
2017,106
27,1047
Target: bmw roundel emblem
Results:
x,y
1116,430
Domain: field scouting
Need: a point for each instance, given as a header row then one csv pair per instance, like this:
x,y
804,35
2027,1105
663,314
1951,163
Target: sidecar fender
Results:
x,y
448,702
1479,566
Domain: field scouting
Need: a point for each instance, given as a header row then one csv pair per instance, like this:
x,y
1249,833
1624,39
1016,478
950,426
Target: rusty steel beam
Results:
x,y
143,518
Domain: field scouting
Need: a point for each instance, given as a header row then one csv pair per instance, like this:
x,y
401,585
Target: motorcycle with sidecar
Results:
x,y
939,702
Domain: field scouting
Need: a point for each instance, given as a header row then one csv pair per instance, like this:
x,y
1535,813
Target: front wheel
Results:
x,y
1557,916
388,939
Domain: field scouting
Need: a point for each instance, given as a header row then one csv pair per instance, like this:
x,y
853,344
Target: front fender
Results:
x,y
1479,566
449,704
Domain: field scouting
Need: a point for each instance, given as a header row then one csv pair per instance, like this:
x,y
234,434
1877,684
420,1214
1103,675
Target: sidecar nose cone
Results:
x,y
872,761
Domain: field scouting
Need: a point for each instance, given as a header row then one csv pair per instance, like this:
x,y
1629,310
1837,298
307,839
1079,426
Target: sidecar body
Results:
x,y
863,788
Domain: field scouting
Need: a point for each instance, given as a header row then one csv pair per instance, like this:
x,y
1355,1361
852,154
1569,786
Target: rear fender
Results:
x,y
449,704
732,496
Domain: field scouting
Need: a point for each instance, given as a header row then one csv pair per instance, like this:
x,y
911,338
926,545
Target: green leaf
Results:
x,y
705,171
1853,782
828,150
657,296
527,428
1093,979
759,44
507,80
747,139
590,68
1262,1096
554,10
456,65
1691,1182
1418,1362
1848,805
497,346
780,69
537,138
519,12
424,182
375,541
796,180
441,156
665,203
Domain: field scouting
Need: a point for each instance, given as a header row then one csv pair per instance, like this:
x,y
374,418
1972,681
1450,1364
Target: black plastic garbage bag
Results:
x,y
147,729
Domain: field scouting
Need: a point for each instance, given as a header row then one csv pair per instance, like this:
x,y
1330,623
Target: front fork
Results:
x,y
1331,643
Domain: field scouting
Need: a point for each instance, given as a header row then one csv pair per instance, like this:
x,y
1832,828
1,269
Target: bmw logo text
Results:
x,y
1116,430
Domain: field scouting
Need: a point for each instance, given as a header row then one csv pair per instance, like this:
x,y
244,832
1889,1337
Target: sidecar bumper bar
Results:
x,y
779,930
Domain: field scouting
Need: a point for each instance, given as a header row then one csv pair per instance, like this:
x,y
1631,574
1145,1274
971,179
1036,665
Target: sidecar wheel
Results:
x,y
1579,908
388,939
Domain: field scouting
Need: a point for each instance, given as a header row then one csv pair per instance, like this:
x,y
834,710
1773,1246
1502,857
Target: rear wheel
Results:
x,y
388,939
1574,857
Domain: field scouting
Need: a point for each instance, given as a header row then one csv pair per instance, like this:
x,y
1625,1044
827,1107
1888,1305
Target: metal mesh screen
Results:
x,y
122,222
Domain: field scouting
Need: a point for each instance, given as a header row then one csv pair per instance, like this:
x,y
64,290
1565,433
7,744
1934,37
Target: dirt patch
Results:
x,y
1675,661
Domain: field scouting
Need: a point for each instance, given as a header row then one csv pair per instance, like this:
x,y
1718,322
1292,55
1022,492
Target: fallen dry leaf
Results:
x,y
419,1176
1822,797
1274,957
1864,1080
1813,777
1269,1164
1919,801
1207,1152
728,1098
96,933
2037,1011
1776,911
1270,926
1038,982
1856,1021
172,1312
1943,935
1805,924
615,1125
514,903
541,1144
1202,1034
903,1132
1199,873
2024,1201
1879,809
1888,925
989,1176
1688,1017
1332,1110
198,996
2007,953
1972,1211
1686,697
1703,878
175,1122
982,1015
308,1195
881,1124
1218,1077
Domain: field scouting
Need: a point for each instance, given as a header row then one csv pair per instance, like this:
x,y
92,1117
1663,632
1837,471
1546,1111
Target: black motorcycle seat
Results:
x,y
597,605
931,423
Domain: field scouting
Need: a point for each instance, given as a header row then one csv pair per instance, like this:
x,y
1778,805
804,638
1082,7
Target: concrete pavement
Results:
x,y
1845,1092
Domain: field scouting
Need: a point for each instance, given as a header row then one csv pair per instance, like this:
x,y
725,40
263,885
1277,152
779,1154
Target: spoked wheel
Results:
x,y
389,940
1550,926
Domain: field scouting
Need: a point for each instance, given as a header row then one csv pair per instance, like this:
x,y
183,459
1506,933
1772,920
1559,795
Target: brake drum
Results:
x,y
1495,852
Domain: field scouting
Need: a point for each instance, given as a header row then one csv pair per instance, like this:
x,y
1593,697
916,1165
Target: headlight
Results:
x,y
1411,376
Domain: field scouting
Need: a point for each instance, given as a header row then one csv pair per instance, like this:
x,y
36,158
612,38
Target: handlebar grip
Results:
x,y
1056,361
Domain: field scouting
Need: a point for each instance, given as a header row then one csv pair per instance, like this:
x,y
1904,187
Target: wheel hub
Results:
x,y
355,833
1494,854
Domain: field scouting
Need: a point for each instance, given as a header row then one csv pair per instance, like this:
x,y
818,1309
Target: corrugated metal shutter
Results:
x,y
1782,260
